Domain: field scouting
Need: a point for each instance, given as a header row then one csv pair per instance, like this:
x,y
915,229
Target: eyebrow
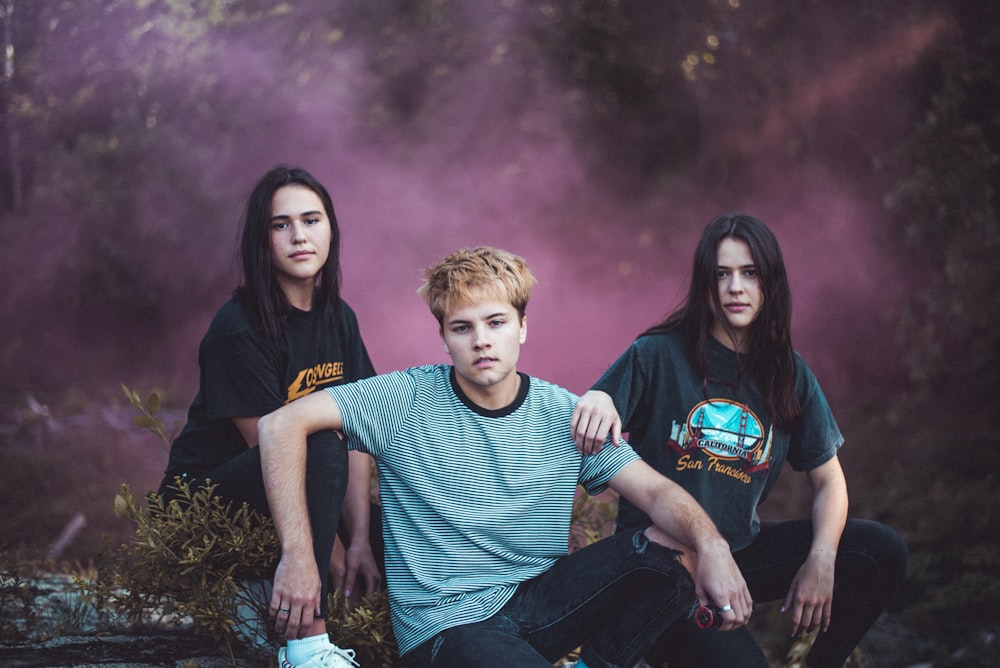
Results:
x,y
498,314
285,216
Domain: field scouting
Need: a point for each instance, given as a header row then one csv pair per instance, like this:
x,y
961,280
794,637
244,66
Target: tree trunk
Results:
x,y
13,167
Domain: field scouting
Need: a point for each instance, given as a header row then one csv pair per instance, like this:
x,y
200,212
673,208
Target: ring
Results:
x,y
726,608
284,609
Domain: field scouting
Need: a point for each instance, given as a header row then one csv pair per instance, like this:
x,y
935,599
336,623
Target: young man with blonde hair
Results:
x,y
477,473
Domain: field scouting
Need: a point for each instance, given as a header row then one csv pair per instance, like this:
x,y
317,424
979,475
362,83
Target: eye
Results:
x,y
313,220
459,329
497,322
279,226
721,273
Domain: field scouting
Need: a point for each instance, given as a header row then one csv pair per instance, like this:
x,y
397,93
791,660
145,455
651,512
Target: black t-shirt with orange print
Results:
x,y
245,375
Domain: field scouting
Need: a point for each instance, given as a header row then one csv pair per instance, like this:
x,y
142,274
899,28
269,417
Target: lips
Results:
x,y
301,255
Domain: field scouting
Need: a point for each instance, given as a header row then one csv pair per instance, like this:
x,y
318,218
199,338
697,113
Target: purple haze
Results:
x,y
489,152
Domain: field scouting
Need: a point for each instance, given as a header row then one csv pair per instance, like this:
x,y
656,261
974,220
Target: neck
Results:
x,y
299,295
733,340
492,397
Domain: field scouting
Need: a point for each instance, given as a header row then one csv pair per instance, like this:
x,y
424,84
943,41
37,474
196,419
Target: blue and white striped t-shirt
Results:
x,y
474,501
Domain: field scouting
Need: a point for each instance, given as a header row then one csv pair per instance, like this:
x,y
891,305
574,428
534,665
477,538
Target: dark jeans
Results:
x,y
241,480
614,597
871,559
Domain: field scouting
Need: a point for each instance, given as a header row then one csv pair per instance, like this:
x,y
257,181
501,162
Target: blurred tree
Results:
x,y
12,192
618,66
134,118
947,210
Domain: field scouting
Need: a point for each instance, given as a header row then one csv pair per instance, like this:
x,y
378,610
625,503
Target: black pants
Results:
x,y
613,597
871,559
240,480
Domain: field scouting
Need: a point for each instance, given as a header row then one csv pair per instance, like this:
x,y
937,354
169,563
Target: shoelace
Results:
x,y
340,653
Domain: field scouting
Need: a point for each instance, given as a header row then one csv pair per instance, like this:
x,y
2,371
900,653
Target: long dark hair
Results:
x,y
767,357
260,291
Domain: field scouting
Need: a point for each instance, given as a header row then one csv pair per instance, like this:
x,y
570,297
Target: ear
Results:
x,y
524,329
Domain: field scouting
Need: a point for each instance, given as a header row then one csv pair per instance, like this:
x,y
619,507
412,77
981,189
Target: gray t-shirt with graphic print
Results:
x,y
715,439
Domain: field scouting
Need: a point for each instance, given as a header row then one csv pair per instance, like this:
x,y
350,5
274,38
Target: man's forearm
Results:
x,y
679,514
283,463
283,436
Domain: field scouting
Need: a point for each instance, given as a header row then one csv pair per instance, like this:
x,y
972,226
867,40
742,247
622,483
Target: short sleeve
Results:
x,y
817,437
240,376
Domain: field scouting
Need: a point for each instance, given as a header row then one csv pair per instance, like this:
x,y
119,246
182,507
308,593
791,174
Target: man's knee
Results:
x,y
495,639
681,553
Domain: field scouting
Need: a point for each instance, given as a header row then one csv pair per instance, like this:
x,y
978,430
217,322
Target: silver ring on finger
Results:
x,y
726,608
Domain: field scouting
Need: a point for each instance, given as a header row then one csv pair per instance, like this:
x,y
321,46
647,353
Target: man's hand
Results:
x,y
594,417
680,523
718,581
295,598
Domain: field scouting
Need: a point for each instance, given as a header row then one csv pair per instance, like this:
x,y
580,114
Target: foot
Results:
x,y
331,657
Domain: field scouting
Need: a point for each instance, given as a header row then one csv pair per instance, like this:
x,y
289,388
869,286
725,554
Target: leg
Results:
x,y
494,642
871,560
326,482
615,597
684,645
870,563
240,480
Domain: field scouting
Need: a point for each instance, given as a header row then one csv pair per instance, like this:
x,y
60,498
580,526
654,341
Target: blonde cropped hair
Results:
x,y
466,275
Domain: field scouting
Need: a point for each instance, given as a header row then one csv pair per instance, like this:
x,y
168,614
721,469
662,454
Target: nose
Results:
x,y
735,283
298,232
482,340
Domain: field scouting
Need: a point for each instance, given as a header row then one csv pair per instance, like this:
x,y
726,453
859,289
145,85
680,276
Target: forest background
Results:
x,y
594,137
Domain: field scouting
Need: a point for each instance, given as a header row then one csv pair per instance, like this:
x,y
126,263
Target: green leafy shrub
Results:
x,y
193,558
197,559
366,628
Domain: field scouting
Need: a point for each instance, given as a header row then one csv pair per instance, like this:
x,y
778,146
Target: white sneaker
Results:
x,y
331,657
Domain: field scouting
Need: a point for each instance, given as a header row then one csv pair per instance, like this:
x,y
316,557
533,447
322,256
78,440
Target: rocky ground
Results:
x,y
55,628
177,649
